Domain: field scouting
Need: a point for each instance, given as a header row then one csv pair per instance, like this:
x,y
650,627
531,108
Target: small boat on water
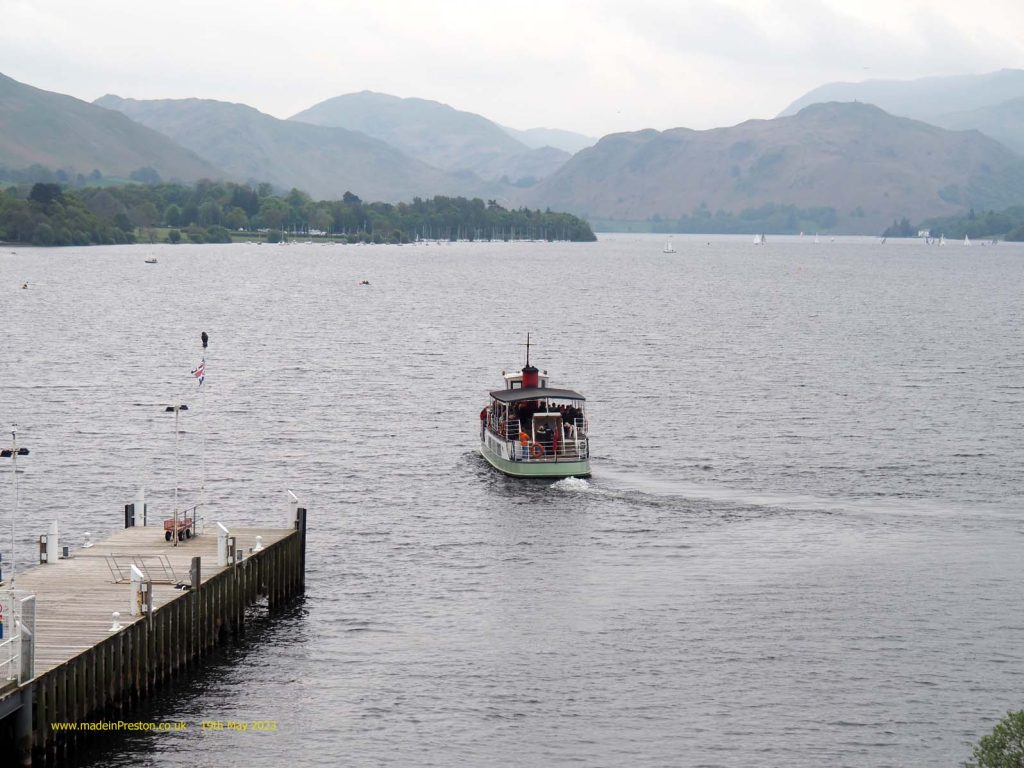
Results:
x,y
151,260
528,429
668,247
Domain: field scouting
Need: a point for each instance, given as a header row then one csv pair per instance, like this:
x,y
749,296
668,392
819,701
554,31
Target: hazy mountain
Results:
x,y
64,133
870,166
437,134
323,161
567,141
926,98
1003,122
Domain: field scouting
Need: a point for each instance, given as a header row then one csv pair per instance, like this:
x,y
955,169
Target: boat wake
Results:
x,y
572,485
635,485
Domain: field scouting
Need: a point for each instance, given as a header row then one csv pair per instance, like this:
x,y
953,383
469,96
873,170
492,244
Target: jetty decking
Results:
x,y
86,669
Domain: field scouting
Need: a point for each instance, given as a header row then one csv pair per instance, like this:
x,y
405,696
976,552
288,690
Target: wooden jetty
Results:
x,y
86,667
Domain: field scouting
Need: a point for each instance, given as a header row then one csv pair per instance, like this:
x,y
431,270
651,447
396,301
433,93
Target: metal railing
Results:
x,y
506,430
571,445
17,650
156,568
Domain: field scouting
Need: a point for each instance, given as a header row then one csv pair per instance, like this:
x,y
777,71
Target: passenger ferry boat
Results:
x,y
529,429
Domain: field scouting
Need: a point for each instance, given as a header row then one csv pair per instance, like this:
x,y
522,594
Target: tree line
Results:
x,y
1007,224
771,218
56,214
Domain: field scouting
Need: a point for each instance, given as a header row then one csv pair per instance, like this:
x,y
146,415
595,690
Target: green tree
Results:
x,y
321,219
105,205
45,194
235,218
145,175
901,228
43,235
1004,747
210,214
144,215
172,216
122,222
273,212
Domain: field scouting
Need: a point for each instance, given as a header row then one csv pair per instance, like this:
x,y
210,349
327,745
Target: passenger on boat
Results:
x,y
544,438
524,445
523,412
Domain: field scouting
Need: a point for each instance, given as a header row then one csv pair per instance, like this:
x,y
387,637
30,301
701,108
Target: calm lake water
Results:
x,y
800,546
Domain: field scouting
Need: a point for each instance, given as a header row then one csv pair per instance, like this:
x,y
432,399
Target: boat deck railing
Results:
x,y
571,446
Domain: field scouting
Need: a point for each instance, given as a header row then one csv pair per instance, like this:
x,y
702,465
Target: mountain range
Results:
x,y
250,146
868,165
849,147
438,134
992,103
61,132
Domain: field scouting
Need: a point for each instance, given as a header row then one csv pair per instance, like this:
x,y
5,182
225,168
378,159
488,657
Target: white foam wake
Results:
x,y
572,484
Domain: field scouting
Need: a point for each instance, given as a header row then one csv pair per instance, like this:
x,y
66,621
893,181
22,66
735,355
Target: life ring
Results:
x,y
537,450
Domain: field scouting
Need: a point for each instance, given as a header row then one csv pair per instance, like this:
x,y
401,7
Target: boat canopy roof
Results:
x,y
535,393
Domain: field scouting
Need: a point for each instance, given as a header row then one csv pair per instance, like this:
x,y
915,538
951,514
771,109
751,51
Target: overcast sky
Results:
x,y
595,67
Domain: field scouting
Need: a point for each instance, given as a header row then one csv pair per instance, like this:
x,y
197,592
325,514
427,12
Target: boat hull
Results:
x,y
531,468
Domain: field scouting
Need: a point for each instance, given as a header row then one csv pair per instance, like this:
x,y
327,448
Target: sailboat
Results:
x,y
668,247
942,239
967,240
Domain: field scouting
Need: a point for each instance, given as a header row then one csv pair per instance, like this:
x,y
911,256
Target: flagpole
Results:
x,y
202,404
174,537
14,513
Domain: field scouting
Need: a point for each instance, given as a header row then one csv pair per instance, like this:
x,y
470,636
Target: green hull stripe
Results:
x,y
537,469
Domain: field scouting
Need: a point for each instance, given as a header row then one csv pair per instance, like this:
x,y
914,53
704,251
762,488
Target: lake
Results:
x,y
800,545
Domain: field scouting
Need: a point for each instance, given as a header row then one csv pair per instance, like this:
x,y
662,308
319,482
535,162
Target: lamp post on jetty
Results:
x,y
13,453
177,408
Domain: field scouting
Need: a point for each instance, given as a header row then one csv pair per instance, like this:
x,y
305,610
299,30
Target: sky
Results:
x,y
590,66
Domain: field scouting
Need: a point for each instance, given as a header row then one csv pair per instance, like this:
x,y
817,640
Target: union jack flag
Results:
x,y
200,371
